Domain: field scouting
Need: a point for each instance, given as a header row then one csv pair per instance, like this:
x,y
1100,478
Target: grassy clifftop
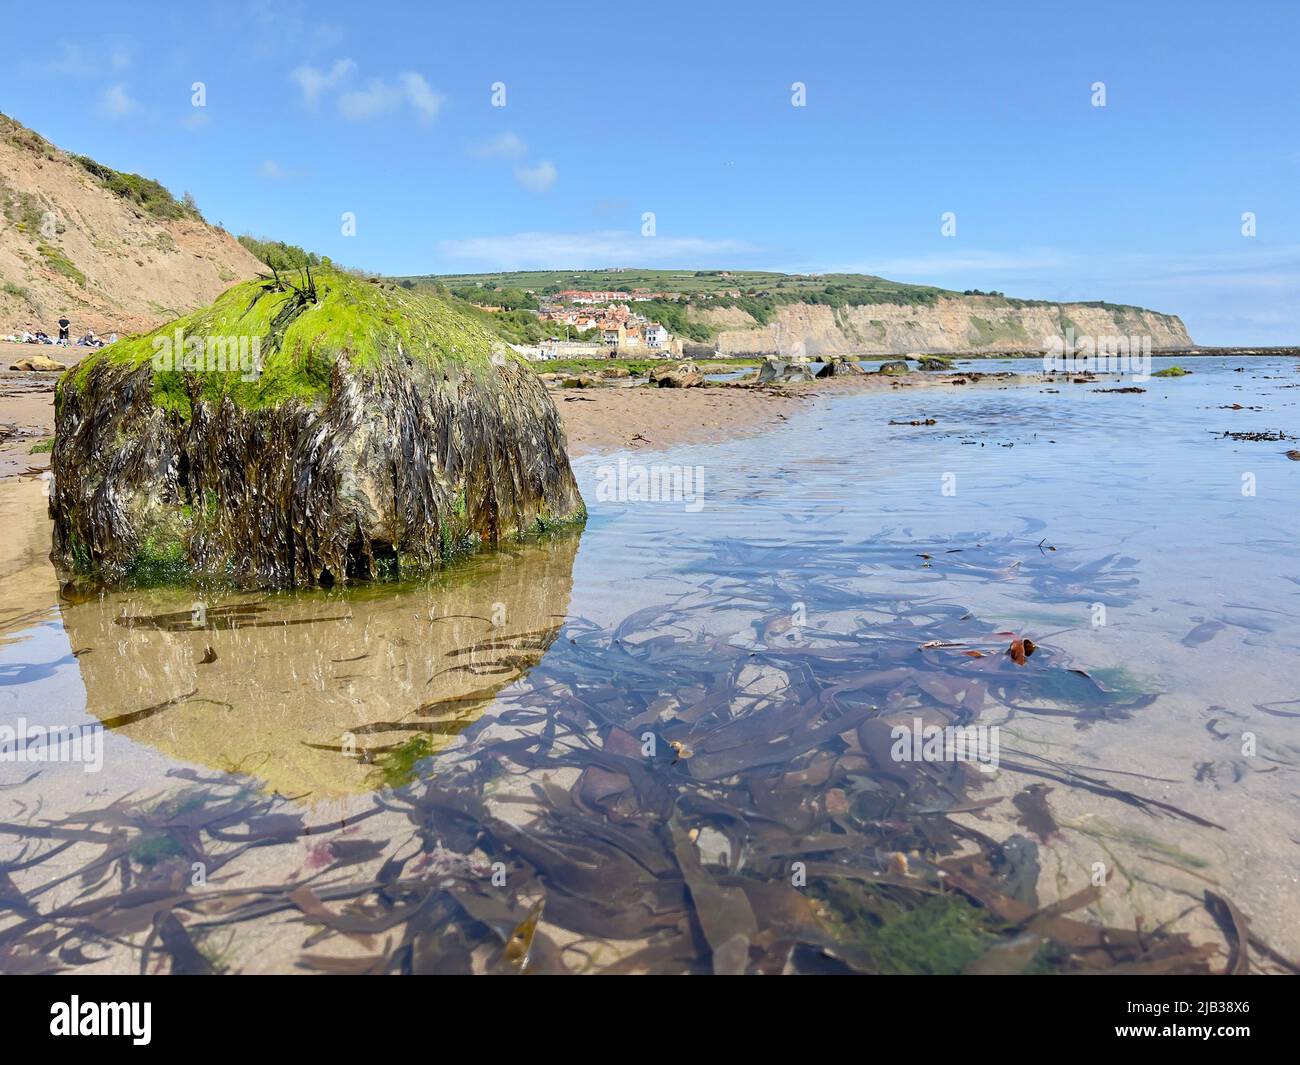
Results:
x,y
150,196
759,295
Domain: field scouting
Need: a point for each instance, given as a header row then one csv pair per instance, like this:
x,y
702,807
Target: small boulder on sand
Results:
x,y
934,362
838,366
683,375
41,363
894,367
774,370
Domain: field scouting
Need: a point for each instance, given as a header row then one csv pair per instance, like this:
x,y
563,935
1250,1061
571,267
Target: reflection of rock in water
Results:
x,y
27,581
392,672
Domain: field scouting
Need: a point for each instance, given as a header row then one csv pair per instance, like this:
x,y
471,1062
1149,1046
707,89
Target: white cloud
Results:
x,y
378,99
426,102
502,146
382,97
590,250
116,102
270,170
538,178
509,146
195,120
120,59
313,81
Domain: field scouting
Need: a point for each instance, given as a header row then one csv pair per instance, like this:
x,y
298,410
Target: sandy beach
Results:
x,y
605,419
27,407
597,420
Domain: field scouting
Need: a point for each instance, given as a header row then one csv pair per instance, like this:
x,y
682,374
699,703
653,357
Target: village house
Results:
x,y
640,295
608,313
580,296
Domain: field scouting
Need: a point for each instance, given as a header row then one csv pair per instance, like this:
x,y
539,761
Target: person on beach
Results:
x,y
64,325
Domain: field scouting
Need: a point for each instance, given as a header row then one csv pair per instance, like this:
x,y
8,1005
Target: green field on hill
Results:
x,y
801,288
756,292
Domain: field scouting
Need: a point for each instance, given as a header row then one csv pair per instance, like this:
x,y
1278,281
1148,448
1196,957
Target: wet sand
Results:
x,y
613,418
27,405
597,420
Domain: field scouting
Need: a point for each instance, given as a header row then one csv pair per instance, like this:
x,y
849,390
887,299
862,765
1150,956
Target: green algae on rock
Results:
x,y
934,362
303,433
838,366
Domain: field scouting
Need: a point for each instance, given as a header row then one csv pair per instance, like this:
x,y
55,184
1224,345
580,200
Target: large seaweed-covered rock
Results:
x,y
303,432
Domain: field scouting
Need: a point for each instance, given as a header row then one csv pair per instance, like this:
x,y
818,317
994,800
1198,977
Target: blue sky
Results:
x,y
385,110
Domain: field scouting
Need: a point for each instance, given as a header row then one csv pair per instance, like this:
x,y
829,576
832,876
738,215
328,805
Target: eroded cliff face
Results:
x,y
71,246
958,324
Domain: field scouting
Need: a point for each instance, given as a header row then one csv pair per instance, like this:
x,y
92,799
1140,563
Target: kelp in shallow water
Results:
x,y
701,788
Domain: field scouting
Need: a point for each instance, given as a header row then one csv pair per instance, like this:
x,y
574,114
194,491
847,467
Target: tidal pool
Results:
x,y
667,744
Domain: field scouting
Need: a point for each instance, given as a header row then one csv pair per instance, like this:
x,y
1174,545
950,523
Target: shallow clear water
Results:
x,y
1123,533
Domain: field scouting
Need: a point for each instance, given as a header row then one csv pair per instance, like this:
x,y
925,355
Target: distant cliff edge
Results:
x,y
965,324
761,312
